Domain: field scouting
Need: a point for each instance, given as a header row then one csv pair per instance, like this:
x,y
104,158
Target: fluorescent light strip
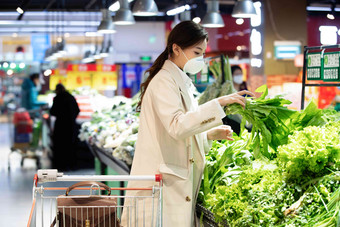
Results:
x,y
178,10
42,13
319,8
49,23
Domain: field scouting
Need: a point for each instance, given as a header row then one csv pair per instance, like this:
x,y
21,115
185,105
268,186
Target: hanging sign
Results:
x,y
331,69
104,80
314,63
57,77
78,79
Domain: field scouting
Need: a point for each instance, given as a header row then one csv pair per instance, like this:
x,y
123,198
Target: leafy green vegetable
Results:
x,y
309,152
269,118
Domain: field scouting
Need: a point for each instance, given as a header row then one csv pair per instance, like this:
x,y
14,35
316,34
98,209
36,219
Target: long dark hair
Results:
x,y
185,34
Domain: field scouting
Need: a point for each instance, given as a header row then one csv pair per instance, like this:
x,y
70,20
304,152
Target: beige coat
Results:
x,y
172,141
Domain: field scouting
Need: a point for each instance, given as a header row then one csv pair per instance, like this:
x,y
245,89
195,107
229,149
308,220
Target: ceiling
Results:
x,y
80,15
94,5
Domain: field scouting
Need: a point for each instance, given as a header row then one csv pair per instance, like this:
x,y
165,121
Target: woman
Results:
x,y
174,131
237,74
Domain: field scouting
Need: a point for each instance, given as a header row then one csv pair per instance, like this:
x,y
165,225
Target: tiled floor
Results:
x,y
16,184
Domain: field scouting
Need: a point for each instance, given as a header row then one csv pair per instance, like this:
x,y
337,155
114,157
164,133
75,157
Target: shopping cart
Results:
x,y
45,206
26,129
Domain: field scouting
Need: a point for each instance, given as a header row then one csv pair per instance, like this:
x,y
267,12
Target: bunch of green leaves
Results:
x,y
310,152
250,198
318,205
223,163
269,118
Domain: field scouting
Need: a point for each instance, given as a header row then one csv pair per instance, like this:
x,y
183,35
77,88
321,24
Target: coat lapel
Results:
x,y
174,71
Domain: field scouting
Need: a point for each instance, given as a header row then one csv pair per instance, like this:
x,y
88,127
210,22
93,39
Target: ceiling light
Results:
x,y
330,16
124,15
197,20
22,65
47,72
14,35
61,47
145,8
13,65
106,26
19,10
243,9
67,35
116,6
178,10
96,54
88,57
213,18
239,21
5,65
10,72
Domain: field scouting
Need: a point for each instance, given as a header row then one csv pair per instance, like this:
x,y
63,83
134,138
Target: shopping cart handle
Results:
x,y
48,175
158,177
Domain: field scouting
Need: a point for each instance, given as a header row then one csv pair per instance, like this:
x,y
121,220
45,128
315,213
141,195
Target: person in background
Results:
x,y
237,74
65,109
29,93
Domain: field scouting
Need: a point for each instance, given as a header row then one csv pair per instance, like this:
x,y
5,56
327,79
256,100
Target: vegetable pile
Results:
x,y
285,172
114,130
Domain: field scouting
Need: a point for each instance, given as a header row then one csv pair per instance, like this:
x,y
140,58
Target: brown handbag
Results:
x,y
87,210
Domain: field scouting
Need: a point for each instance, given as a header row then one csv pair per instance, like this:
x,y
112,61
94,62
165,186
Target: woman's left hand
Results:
x,y
223,132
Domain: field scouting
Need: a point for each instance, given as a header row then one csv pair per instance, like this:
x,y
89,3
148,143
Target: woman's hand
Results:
x,y
223,132
235,98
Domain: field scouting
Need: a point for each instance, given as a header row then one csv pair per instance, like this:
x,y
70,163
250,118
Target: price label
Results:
x,y
331,66
314,63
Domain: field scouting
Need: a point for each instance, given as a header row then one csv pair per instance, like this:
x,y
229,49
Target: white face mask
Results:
x,y
193,65
238,79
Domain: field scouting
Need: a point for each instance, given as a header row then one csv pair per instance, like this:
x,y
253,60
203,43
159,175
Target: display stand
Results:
x,y
304,73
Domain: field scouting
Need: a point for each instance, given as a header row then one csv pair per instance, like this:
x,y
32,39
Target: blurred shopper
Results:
x,y
237,74
64,137
29,93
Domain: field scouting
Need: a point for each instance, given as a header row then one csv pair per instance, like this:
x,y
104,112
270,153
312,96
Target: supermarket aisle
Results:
x,y
16,184
16,193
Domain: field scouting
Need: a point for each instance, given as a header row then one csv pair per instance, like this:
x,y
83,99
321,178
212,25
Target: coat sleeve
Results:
x,y
168,105
206,143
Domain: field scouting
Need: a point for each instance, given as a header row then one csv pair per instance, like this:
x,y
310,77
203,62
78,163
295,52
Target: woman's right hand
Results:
x,y
235,98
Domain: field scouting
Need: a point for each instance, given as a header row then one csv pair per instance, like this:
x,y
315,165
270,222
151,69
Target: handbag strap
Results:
x,y
54,222
88,183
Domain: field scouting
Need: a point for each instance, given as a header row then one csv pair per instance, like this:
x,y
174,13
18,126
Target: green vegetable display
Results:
x,y
285,172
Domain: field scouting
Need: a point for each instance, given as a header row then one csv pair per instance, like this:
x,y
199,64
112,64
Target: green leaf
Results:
x,y
264,90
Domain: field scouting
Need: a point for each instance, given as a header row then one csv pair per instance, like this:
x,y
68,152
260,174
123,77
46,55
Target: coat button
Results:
x,y
191,160
187,199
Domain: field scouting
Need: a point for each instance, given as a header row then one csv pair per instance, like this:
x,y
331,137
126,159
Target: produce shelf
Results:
x,y
109,160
